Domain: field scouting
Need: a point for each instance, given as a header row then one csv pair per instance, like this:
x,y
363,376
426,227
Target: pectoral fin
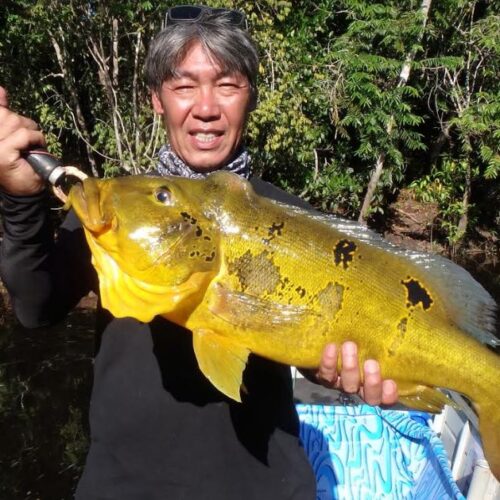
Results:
x,y
221,360
423,398
244,310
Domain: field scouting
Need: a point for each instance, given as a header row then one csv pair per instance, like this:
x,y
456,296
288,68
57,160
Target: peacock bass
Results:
x,y
249,275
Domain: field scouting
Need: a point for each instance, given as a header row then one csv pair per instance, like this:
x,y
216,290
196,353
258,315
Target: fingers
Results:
x,y
327,372
20,140
371,386
17,134
389,392
349,374
349,379
371,391
375,390
4,98
11,122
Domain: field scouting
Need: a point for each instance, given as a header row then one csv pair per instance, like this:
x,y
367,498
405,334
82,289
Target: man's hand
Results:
x,y
371,387
17,134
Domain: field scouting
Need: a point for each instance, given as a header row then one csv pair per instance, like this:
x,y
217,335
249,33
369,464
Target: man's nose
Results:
x,y
207,106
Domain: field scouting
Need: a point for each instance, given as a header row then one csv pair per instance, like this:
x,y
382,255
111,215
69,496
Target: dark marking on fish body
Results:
x,y
402,326
257,273
285,283
301,291
189,218
331,298
210,257
275,229
199,231
343,253
399,338
417,294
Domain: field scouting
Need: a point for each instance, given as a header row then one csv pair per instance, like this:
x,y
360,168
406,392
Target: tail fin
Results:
x,y
489,428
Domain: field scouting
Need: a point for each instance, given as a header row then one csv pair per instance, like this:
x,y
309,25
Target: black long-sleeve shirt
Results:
x,y
159,429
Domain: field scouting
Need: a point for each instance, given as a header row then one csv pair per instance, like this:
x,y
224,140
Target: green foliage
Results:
x,y
331,98
444,185
336,189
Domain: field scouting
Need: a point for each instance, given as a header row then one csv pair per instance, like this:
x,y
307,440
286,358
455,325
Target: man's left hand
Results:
x,y
371,387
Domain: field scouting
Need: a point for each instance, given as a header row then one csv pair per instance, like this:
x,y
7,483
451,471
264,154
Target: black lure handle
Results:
x,y
47,166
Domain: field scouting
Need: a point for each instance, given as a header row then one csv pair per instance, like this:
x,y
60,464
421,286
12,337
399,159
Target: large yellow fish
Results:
x,y
248,275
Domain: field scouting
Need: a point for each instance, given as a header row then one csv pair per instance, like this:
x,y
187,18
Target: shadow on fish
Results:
x,y
249,275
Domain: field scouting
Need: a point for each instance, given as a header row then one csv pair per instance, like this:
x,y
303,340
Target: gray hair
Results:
x,y
230,46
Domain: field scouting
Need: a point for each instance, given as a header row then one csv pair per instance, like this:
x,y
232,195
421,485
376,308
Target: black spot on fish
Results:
x,y
192,254
199,232
275,229
284,282
417,294
188,218
402,326
210,257
207,238
343,252
301,291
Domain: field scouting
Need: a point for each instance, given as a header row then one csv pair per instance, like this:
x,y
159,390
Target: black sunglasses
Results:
x,y
192,13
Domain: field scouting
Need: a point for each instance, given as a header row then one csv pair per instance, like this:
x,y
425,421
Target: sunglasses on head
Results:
x,y
192,13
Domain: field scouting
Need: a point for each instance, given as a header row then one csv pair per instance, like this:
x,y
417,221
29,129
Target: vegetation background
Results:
x,y
358,99
387,112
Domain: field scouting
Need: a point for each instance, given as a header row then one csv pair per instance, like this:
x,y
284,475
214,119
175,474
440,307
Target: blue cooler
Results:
x,y
361,452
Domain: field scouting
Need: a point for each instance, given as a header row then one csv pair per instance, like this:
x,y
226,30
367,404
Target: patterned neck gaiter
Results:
x,y
170,164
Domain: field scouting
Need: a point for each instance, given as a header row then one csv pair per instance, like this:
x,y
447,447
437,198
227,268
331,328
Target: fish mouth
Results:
x,y
84,199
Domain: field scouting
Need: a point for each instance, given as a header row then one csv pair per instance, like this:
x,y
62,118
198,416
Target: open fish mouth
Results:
x,y
84,199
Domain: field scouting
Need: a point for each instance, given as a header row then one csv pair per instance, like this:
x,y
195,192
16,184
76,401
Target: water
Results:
x,y
45,381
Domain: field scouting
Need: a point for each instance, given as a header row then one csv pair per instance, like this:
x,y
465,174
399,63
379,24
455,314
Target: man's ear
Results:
x,y
156,102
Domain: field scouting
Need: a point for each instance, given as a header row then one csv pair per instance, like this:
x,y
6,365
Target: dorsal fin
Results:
x,y
471,306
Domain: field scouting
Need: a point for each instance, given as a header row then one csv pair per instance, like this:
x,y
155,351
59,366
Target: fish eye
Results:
x,y
164,196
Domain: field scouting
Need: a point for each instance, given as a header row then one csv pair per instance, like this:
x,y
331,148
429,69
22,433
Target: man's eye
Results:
x,y
164,196
183,88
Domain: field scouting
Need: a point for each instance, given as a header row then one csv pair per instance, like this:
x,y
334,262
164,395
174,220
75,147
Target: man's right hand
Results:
x,y
17,134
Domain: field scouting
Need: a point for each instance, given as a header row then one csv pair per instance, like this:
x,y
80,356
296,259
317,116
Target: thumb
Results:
x,y
4,99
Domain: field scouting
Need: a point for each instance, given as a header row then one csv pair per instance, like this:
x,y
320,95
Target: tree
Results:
x,y
402,81
463,85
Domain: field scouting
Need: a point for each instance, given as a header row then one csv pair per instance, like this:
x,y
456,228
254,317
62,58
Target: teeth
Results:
x,y
205,137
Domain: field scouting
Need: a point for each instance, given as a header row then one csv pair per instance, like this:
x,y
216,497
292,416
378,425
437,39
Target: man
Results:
x,y
159,429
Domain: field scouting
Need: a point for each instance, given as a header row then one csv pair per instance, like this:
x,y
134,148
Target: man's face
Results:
x,y
204,111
